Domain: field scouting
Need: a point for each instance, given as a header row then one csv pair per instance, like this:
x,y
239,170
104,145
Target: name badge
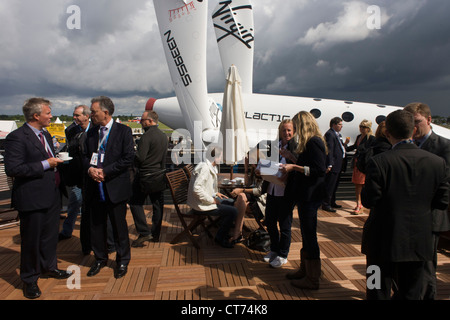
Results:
x,y
94,159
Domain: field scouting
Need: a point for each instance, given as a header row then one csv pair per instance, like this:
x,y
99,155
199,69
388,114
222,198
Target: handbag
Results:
x,y
153,182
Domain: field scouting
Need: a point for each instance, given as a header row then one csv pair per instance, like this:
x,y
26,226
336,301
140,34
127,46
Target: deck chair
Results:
x,y
12,215
179,183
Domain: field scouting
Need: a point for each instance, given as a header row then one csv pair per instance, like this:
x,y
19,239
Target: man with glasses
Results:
x,y
149,180
73,171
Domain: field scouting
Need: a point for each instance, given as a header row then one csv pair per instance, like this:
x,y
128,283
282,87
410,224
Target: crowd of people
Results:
x,y
405,184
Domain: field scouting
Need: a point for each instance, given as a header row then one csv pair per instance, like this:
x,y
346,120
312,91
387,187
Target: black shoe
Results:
x,y
139,242
56,274
329,209
63,237
224,243
31,290
95,268
120,271
336,206
240,239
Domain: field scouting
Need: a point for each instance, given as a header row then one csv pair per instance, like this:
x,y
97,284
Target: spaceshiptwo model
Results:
x,y
183,28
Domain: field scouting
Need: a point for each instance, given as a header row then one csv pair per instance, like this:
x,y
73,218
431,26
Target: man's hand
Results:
x,y
53,162
96,174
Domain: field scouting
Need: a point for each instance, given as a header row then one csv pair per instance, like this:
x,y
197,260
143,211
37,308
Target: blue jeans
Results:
x,y
307,213
227,215
279,212
73,210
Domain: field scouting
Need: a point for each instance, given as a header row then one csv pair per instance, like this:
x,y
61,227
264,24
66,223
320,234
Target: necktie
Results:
x,y
101,153
41,137
50,155
102,147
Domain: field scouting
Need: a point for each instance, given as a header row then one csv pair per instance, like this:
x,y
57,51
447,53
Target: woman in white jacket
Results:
x,y
203,196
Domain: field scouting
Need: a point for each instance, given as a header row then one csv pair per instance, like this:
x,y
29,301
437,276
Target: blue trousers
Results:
x,y
279,212
227,214
73,210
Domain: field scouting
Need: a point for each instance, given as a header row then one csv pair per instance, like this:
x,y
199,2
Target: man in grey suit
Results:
x,y
426,139
402,187
150,164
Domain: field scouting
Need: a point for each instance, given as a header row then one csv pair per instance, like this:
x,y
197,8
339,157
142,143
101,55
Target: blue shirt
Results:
x,y
45,163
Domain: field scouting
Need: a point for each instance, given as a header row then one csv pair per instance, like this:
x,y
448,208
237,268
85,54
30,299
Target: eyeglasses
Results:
x,y
142,120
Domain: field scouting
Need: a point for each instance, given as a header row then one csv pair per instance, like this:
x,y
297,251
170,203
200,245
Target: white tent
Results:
x,y
7,127
58,120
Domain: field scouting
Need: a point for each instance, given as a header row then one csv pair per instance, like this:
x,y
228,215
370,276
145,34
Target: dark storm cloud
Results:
x,y
306,48
404,61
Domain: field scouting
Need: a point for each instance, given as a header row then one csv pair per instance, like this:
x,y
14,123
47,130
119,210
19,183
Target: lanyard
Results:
x,y
102,144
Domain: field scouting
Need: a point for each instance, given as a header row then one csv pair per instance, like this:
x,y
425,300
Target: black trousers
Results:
x,y
331,182
136,206
39,238
405,279
99,214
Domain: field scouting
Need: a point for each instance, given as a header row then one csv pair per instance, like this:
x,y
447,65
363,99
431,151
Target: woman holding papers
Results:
x,y
278,206
307,190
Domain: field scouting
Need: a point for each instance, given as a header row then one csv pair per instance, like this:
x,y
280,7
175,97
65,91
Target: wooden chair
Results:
x,y
189,168
179,184
5,203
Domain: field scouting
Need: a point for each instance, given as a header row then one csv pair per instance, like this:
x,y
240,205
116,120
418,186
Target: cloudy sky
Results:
x,y
312,48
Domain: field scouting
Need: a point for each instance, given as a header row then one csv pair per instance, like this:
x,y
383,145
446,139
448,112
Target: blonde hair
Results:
x,y
380,130
306,127
367,124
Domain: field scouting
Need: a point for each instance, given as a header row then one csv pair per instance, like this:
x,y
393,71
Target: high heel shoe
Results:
x,y
238,240
357,210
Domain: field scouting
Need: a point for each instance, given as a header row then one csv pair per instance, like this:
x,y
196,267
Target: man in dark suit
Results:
x,y
426,139
30,159
75,175
402,187
336,154
108,161
149,180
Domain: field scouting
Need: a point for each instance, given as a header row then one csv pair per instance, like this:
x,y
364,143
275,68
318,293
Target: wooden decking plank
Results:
x,y
181,272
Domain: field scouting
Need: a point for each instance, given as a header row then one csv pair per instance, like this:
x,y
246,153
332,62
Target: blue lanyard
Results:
x,y
102,144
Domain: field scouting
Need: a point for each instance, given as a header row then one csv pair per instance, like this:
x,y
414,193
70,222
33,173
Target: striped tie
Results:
x,y
50,155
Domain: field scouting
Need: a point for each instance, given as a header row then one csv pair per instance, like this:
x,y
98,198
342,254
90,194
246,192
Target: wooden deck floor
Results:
x,y
161,271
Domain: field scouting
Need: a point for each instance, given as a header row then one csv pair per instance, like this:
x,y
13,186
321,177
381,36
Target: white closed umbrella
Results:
x,y
232,126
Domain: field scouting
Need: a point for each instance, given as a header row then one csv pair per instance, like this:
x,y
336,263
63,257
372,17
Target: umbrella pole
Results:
x,y
231,172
